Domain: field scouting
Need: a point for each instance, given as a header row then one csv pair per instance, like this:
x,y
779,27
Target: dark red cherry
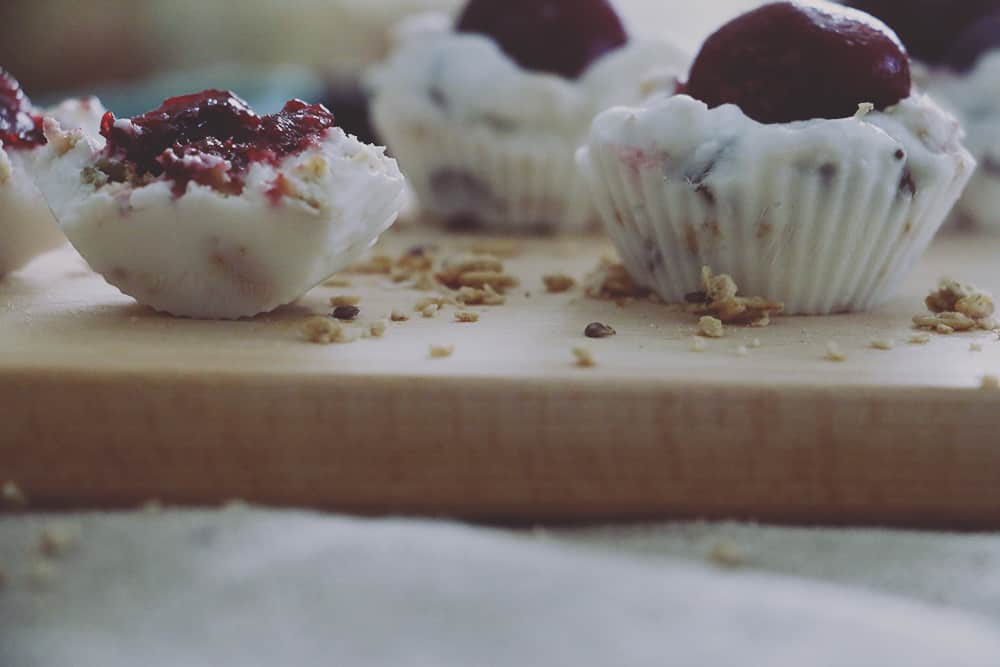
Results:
x,y
20,126
560,37
978,39
930,29
789,61
211,138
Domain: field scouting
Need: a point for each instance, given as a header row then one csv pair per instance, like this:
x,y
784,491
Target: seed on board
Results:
x,y
348,313
598,330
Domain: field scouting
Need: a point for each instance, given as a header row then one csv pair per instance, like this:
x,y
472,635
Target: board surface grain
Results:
x,y
106,403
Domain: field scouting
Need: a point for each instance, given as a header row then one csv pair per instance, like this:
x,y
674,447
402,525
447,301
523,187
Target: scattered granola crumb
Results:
x,y
742,351
975,347
475,271
58,539
557,283
584,358
611,282
337,282
725,554
398,315
322,330
920,339
990,383
152,506
12,497
442,351
719,298
698,344
346,313
834,353
711,327
466,316
375,265
755,343
345,300
439,301
42,573
881,344
430,310
377,328
474,296
598,330
955,306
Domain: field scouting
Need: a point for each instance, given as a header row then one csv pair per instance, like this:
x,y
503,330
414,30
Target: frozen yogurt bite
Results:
x,y
485,112
798,158
203,208
26,224
957,48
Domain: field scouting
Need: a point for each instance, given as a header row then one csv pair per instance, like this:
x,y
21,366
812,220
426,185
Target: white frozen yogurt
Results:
x,y
825,215
205,254
27,227
480,136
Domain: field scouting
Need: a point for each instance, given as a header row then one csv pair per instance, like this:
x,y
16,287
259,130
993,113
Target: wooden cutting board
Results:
x,y
106,403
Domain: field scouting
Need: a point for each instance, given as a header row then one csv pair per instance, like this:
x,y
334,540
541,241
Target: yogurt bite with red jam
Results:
x,y
485,112
26,224
203,208
799,159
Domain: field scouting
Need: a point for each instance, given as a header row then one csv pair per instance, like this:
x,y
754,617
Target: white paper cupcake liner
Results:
x,y
469,176
823,232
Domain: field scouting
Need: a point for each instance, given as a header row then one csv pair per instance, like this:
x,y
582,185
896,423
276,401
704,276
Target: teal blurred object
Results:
x,y
266,88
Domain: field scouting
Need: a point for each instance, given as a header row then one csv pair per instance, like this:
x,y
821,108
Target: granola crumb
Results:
x,y
337,282
834,353
755,343
557,283
956,306
725,554
881,344
975,347
584,358
466,316
59,539
598,330
698,344
441,351
742,351
920,339
990,383
430,310
475,271
12,497
152,506
351,300
321,330
719,297
438,301
609,281
398,315
42,573
711,327
377,328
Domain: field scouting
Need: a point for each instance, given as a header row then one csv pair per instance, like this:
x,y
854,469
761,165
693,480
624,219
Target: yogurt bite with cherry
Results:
x,y
957,48
798,158
485,112
203,208
27,228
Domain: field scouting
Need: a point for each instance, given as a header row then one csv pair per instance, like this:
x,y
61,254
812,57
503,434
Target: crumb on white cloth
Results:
x,y
584,357
834,353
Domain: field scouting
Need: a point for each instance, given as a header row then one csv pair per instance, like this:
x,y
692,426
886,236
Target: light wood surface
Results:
x,y
105,403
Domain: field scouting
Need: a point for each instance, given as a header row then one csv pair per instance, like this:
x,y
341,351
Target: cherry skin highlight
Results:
x,y
561,37
20,126
210,138
930,29
791,61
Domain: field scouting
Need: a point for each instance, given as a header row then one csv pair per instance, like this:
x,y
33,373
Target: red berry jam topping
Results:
x,y
20,126
211,138
789,61
559,37
931,29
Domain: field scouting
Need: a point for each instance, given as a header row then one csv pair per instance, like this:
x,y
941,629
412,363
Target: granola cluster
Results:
x,y
955,307
719,298
611,282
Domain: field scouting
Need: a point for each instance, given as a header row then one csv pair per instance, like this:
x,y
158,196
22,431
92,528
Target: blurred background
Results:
x,y
133,53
